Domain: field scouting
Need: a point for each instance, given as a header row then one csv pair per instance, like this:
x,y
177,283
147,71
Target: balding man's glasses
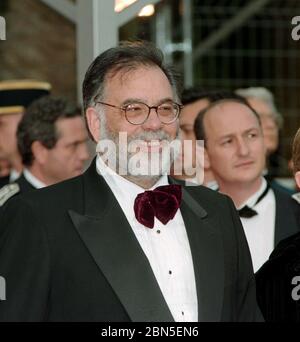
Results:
x,y
138,113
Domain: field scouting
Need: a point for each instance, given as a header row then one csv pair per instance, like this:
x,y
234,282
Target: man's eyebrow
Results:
x,y
226,136
135,100
229,135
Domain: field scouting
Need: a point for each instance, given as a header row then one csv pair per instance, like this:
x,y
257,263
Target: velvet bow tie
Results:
x,y
162,203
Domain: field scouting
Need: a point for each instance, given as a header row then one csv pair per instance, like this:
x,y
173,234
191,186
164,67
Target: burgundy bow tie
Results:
x,y
162,203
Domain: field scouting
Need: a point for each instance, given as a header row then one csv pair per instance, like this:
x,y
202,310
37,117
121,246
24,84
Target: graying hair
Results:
x,y
264,95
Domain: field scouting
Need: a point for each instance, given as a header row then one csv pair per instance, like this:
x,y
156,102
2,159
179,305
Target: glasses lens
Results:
x,y
136,113
168,112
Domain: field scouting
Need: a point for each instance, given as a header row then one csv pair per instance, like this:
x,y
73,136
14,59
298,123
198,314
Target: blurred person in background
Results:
x,y
278,280
262,101
194,101
15,96
52,141
235,151
4,171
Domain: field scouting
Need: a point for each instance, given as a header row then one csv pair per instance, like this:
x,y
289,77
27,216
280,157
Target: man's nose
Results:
x,y
153,122
243,147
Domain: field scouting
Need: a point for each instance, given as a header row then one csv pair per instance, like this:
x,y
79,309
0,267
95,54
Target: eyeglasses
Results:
x,y
138,113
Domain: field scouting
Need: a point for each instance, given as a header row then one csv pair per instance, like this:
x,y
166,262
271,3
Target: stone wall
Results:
x,y
40,44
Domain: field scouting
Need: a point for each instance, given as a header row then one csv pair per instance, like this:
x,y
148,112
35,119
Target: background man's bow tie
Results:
x,y
248,212
162,203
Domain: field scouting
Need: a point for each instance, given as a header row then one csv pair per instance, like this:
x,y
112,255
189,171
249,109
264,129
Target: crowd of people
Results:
x,y
142,242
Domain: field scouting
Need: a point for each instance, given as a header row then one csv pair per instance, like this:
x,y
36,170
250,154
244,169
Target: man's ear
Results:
x,y
297,178
39,152
93,121
206,159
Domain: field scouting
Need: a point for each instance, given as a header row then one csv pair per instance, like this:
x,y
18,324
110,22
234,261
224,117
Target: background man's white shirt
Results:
x,y
260,229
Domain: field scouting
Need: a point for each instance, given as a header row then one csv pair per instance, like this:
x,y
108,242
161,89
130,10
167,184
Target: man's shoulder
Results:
x,y
212,201
285,200
8,191
202,191
53,196
4,181
280,194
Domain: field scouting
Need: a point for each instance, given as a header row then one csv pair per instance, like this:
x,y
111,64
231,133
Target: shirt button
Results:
x,y
182,313
158,231
170,272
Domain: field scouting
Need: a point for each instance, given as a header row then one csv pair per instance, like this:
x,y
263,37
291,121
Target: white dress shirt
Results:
x,y
260,229
14,175
36,183
166,247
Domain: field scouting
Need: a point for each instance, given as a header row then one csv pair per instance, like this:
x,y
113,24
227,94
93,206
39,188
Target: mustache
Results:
x,y
148,136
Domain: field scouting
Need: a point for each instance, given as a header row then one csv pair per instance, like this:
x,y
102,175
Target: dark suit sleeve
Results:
x,y
246,305
24,264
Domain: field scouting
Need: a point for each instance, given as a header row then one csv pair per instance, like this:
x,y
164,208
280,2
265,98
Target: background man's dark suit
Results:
x,y
68,254
287,214
4,181
274,278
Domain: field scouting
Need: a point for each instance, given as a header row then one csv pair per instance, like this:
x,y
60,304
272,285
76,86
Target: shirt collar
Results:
x,y
116,181
36,183
250,202
14,175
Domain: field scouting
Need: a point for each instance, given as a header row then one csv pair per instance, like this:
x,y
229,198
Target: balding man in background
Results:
x,y
235,151
262,101
195,100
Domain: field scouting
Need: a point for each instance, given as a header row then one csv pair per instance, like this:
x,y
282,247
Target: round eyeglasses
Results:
x,y
138,113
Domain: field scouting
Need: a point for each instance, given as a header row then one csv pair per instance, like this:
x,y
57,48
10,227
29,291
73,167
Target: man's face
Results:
x,y
269,125
188,116
148,85
8,140
66,159
234,144
187,119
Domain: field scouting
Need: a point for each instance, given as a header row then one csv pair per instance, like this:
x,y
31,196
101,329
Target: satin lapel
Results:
x,y
207,253
110,240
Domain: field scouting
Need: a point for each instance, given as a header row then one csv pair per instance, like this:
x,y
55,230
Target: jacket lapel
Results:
x,y
207,253
110,240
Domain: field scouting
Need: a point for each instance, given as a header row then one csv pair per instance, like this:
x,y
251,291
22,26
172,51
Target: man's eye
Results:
x,y
133,108
166,107
226,142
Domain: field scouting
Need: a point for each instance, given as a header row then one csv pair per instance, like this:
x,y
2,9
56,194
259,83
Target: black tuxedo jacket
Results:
x,y
274,278
24,185
4,181
68,253
286,217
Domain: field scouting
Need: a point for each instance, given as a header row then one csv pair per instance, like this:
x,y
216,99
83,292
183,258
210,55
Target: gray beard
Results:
x,y
150,172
